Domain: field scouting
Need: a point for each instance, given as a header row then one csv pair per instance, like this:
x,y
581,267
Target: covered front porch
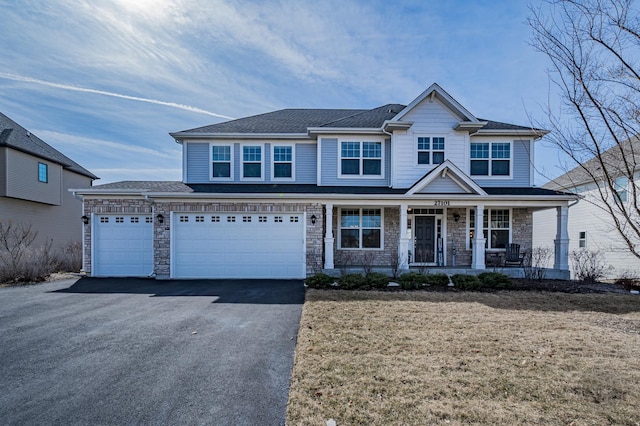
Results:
x,y
436,235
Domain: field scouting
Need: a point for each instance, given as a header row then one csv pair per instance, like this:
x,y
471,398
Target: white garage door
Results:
x,y
122,245
238,245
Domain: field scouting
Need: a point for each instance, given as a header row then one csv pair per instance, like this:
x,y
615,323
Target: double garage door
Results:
x,y
229,245
238,245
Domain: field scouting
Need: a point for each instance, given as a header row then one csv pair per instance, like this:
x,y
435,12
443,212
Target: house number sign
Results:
x,y
441,203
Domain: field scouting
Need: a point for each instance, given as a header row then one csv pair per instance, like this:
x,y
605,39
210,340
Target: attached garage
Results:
x,y
122,245
238,245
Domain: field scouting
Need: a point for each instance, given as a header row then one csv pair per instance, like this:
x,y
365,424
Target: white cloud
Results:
x,y
26,79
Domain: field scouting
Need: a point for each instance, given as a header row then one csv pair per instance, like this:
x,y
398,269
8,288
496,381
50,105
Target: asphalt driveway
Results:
x,y
129,351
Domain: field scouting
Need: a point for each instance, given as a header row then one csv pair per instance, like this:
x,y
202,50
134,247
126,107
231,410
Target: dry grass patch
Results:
x,y
382,358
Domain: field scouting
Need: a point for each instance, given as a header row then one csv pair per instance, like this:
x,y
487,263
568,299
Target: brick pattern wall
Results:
x,y
522,228
109,206
457,231
385,257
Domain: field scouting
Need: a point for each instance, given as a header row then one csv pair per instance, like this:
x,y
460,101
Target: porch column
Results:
x,y
477,245
328,236
403,244
561,255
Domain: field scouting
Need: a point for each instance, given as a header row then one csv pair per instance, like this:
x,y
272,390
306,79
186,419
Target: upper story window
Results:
x,y
252,161
490,159
283,167
360,158
430,150
43,173
360,229
221,161
496,227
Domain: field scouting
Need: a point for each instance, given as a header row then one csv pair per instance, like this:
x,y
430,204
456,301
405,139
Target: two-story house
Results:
x,y
34,183
591,225
291,192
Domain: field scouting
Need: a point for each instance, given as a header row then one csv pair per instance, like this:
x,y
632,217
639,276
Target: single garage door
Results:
x,y
238,245
122,245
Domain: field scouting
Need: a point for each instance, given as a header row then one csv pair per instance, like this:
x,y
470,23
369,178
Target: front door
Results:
x,y
425,239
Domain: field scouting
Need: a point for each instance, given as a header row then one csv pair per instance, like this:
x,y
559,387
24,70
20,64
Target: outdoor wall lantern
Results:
x,y
85,220
313,219
160,218
456,217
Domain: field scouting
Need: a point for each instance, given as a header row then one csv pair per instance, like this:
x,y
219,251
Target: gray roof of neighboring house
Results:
x,y
614,160
15,136
300,120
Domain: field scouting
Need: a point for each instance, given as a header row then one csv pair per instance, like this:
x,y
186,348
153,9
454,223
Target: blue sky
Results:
x,y
106,81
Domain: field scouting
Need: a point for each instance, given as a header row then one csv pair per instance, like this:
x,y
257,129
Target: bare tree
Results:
x,y
594,49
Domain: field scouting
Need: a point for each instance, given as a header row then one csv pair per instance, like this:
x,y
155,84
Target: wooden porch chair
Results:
x,y
513,257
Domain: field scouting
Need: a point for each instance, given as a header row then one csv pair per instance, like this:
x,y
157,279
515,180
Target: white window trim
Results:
x,y
360,208
430,150
293,162
232,156
361,176
490,159
488,214
582,240
262,154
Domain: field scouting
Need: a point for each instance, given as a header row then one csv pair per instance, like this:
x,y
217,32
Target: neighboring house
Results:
x,y
34,183
291,192
591,225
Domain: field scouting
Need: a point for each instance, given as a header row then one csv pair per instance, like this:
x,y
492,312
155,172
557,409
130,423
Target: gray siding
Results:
x,y
521,168
306,163
443,186
22,179
197,162
330,167
59,223
198,157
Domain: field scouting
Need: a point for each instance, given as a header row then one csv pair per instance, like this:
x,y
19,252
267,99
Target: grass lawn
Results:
x,y
381,358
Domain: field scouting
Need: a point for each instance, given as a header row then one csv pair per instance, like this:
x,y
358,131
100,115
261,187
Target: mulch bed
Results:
x,y
566,286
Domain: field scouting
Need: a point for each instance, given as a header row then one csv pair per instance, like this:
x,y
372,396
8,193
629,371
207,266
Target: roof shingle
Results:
x,y
15,136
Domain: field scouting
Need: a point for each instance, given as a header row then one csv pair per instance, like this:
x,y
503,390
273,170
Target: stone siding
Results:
x,y
385,257
522,228
162,232
457,233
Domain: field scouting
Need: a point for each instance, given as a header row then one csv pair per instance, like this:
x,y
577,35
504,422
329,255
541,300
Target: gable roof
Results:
x,y
13,135
613,160
447,168
301,122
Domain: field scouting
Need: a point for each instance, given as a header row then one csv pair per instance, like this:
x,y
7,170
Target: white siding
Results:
x,y
601,235
430,119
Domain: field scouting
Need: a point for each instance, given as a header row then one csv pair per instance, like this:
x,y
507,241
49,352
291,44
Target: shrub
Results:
x,y
353,281
20,260
536,262
629,280
377,280
466,282
589,265
437,280
412,280
494,280
319,281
